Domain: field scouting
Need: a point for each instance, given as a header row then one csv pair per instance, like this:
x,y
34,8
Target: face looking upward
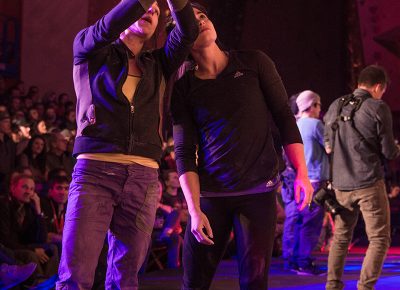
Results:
x,y
207,33
147,24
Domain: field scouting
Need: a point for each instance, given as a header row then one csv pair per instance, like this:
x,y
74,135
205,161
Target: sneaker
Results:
x,y
311,270
12,275
291,266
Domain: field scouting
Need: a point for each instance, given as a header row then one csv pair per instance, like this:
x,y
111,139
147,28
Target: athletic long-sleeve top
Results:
x,y
228,121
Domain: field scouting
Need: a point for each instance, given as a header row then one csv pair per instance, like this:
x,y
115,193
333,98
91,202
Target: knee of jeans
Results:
x,y
382,241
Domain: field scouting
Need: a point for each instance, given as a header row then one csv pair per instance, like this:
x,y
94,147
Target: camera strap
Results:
x,y
346,109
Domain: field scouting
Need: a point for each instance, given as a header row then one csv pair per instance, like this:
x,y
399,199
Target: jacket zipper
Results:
x,y
131,118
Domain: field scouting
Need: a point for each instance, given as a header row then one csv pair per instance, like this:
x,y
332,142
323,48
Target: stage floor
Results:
x,y
226,277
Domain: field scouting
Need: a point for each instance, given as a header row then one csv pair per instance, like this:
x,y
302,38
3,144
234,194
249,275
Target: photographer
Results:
x,y
358,131
302,227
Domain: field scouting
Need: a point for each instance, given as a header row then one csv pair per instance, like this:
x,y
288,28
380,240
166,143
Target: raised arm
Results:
x,y
181,38
108,28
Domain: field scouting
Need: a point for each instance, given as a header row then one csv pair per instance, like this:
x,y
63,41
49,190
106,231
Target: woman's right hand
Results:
x,y
201,229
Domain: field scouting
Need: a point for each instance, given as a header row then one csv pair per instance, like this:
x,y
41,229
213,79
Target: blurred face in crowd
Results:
x,y
37,146
61,142
15,104
51,114
173,180
5,126
23,190
59,192
63,98
147,24
40,109
19,115
28,103
71,116
33,114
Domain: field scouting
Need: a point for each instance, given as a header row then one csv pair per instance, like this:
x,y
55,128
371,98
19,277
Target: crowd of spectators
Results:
x,y
37,132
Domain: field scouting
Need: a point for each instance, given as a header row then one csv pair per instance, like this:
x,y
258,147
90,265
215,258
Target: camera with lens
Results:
x,y
326,197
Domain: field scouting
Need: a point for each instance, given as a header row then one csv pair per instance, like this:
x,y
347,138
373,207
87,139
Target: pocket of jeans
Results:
x,y
146,215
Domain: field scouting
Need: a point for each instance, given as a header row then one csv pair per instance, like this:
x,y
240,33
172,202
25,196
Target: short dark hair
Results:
x,y
166,172
57,180
372,75
170,22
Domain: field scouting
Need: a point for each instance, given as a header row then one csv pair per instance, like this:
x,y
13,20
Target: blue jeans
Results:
x,y
301,232
253,219
105,196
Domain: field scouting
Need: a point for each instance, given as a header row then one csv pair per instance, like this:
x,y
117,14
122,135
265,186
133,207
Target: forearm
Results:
x,y
295,154
176,5
190,185
109,27
181,38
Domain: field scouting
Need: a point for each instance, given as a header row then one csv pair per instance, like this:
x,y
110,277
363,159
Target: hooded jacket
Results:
x,y
106,121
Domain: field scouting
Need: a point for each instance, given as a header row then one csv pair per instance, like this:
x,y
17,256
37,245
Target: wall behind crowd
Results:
x,y
380,20
306,39
48,29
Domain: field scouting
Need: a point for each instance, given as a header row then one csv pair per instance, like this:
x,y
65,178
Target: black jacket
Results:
x,y
32,232
106,121
357,163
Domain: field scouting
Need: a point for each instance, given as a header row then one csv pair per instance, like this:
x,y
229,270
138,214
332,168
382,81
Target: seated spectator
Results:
x,y
173,195
49,97
34,156
23,228
22,136
40,108
33,115
69,121
14,105
7,149
54,207
27,104
39,128
33,93
58,156
50,117
167,230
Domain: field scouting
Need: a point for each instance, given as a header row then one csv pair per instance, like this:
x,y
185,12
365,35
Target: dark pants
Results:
x,y
301,231
106,196
253,219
